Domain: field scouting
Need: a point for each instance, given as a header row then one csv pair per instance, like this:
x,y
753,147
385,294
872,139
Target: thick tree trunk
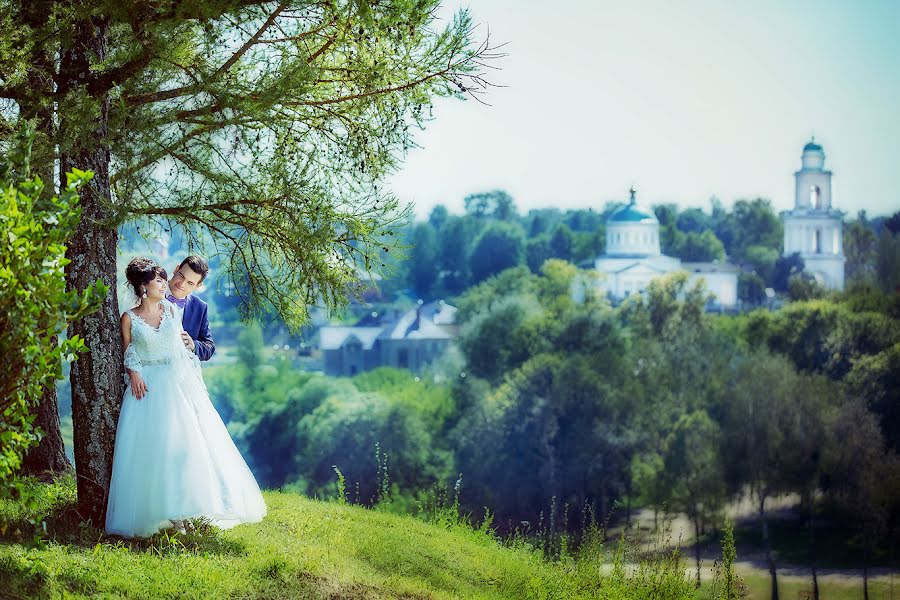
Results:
x,y
812,544
765,534
96,376
697,546
865,566
49,457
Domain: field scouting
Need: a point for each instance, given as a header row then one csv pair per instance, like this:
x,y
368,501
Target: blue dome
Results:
x,y
812,147
632,214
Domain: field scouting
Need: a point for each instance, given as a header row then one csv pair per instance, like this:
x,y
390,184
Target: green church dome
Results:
x,y
632,213
812,147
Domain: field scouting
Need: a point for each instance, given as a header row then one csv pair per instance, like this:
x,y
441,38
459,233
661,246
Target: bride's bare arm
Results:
x,y
138,387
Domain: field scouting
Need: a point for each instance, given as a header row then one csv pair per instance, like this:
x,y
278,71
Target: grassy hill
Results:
x,y
305,549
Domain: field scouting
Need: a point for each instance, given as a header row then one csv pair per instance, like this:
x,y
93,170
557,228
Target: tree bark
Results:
x,y
96,376
49,457
865,566
765,535
697,546
812,544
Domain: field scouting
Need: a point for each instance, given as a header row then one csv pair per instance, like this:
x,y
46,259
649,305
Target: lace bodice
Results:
x,y
157,346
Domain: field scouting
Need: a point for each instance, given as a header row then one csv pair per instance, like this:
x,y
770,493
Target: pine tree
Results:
x,y
264,126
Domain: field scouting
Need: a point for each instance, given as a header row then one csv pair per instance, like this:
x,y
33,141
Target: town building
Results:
x,y
814,229
411,340
633,258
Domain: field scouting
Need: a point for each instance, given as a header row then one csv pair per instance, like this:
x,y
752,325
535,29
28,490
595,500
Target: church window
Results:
x,y
818,241
815,196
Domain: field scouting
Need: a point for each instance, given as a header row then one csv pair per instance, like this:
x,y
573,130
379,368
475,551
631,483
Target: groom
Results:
x,y
185,280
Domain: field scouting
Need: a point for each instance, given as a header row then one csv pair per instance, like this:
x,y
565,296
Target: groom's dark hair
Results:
x,y
197,265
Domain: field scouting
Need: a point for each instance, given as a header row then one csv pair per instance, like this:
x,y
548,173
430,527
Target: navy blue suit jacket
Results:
x,y
196,323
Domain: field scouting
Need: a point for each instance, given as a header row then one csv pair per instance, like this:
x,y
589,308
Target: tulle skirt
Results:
x,y
174,459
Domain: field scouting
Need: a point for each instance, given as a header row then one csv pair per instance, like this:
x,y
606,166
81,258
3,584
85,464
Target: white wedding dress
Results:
x,y
173,456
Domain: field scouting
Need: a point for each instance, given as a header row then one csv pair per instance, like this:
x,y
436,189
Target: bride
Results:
x,y
174,459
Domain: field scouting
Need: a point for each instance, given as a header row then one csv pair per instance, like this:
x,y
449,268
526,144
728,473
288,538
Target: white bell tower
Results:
x,y
813,228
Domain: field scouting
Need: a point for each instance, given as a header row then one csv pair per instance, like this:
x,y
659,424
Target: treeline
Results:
x,y
449,253
550,406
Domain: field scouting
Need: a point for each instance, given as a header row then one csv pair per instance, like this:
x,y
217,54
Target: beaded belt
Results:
x,y
160,361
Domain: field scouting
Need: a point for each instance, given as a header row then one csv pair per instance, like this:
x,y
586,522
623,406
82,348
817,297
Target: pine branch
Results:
x,y
190,89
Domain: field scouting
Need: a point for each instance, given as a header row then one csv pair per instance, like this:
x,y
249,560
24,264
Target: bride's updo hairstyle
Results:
x,y
141,271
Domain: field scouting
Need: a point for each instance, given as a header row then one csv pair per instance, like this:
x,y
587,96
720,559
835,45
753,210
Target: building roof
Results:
x,y
632,213
332,338
414,325
812,146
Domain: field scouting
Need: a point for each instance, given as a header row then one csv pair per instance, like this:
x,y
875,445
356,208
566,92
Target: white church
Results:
x,y
633,257
813,228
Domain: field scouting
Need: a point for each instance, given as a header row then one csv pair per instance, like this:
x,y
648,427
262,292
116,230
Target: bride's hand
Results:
x,y
138,387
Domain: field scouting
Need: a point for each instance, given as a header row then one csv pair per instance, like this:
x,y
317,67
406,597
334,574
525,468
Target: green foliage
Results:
x,y
422,271
261,132
35,307
727,585
888,261
763,259
499,247
860,250
751,223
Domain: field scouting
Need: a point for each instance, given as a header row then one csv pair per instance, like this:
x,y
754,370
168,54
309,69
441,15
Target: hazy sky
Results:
x,y
683,99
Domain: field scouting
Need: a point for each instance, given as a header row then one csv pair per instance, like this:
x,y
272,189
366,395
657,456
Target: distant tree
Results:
x,y
803,286
537,250
888,261
864,478
893,223
785,268
499,247
754,223
693,469
250,354
763,260
861,251
541,220
876,377
503,336
751,288
423,263
722,224
589,244
583,220
693,220
497,204
438,216
699,247
762,413
494,291
666,214
561,242
454,241
667,305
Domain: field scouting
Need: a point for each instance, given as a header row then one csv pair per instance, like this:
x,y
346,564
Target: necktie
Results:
x,y
179,302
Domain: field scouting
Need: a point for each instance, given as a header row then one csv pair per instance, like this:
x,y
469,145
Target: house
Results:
x,y
411,340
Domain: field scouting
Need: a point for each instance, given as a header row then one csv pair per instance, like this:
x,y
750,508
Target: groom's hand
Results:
x,y
188,340
138,387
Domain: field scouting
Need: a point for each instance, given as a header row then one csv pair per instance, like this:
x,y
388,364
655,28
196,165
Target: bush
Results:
x,y
34,304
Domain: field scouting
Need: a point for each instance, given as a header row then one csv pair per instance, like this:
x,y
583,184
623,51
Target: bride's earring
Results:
x,y
144,295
